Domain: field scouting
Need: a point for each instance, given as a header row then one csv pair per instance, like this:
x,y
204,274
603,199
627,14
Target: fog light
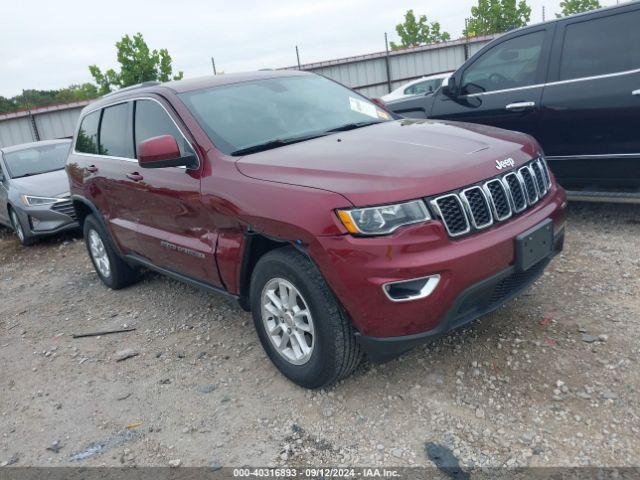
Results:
x,y
414,289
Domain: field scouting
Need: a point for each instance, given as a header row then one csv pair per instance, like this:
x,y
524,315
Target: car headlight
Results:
x,y
31,201
383,219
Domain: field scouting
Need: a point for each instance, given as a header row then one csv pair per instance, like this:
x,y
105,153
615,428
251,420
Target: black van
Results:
x,y
572,83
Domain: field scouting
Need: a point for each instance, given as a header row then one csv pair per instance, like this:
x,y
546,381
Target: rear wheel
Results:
x,y
22,234
114,272
304,331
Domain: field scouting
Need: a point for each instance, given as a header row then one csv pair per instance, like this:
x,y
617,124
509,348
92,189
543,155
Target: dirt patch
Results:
x,y
549,379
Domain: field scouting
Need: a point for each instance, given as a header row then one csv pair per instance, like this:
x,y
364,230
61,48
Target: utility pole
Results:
x,y
213,64
386,61
466,38
298,56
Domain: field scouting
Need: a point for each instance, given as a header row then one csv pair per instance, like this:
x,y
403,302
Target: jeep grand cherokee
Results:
x,y
342,229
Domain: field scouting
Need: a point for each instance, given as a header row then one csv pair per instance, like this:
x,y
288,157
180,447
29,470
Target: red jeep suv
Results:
x,y
343,229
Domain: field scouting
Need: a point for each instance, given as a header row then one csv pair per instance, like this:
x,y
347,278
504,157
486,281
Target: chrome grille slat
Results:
x,y
545,172
478,207
540,183
452,214
529,185
499,199
516,191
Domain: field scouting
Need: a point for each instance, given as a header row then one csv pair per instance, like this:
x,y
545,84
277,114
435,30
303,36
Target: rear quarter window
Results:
x,y
116,137
601,45
87,139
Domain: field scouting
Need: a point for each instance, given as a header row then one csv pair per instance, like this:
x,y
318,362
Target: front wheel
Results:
x,y
23,236
114,272
304,331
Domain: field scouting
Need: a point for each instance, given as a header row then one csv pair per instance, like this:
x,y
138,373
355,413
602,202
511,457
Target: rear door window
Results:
x,y
87,140
116,138
601,45
510,64
151,120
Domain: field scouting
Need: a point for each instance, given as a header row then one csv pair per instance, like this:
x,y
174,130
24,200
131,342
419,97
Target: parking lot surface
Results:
x,y
549,379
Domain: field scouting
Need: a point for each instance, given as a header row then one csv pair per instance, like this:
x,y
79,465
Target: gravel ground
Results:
x,y
550,379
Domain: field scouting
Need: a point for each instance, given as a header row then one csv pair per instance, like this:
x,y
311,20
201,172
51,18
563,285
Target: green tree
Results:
x,y
31,98
570,7
497,16
137,64
7,105
414,32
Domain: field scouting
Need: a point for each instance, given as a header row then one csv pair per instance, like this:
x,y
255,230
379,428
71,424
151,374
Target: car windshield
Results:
x,y
37,160
258,115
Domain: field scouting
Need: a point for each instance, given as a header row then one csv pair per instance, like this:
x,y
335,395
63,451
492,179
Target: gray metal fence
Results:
x,y
42,123
372,75
368,73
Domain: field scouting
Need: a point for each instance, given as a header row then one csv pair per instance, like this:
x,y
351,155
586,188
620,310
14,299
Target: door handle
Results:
x,y
92,169
135,176
636,92
520,105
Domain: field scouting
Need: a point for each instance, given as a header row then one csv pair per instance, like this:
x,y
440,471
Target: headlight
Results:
x,y
384,219
30,201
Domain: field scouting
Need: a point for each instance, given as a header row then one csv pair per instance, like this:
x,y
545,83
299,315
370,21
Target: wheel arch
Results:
x,y
83,208
256,245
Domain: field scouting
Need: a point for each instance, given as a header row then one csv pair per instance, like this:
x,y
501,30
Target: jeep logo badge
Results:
x,y
506,163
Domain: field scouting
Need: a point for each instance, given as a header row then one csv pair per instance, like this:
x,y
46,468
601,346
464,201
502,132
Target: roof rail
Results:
x,y
150,83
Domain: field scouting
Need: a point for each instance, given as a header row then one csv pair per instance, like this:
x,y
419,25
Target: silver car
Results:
x,y
34,190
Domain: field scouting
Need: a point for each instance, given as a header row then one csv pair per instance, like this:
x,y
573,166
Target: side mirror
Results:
x,y
163,151
449,87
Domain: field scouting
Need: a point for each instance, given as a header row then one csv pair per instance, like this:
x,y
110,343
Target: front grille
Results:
x,y
480,206
529,186
452,214
499,199
65,207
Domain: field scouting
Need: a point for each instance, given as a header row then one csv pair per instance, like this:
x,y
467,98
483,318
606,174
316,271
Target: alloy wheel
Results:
x,y
17,226
99,254
287,321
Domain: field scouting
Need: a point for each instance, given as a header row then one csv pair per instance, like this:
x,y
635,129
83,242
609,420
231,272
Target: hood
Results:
x,y
393,161
51,184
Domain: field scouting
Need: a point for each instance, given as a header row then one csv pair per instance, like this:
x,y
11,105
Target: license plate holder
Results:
x,y
534,245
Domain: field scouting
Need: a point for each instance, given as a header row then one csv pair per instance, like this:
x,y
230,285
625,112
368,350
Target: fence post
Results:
x,y
298,56
32,119
386,61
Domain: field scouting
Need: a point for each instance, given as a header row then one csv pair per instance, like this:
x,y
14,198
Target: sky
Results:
x,y
49,44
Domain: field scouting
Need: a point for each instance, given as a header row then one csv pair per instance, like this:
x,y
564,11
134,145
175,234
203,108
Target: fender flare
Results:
x,y
98,216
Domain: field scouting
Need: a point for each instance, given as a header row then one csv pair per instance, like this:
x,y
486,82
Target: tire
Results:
x,y
114,272
334,352
23,235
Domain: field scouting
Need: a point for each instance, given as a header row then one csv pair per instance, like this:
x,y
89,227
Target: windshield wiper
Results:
x,y
31,174
278,142
352,126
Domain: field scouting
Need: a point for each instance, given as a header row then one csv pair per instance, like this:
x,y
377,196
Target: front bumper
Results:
x,y
356,268
44,220
476,301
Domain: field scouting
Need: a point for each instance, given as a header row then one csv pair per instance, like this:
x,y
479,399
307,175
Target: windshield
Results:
x,y
276,111
36,160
